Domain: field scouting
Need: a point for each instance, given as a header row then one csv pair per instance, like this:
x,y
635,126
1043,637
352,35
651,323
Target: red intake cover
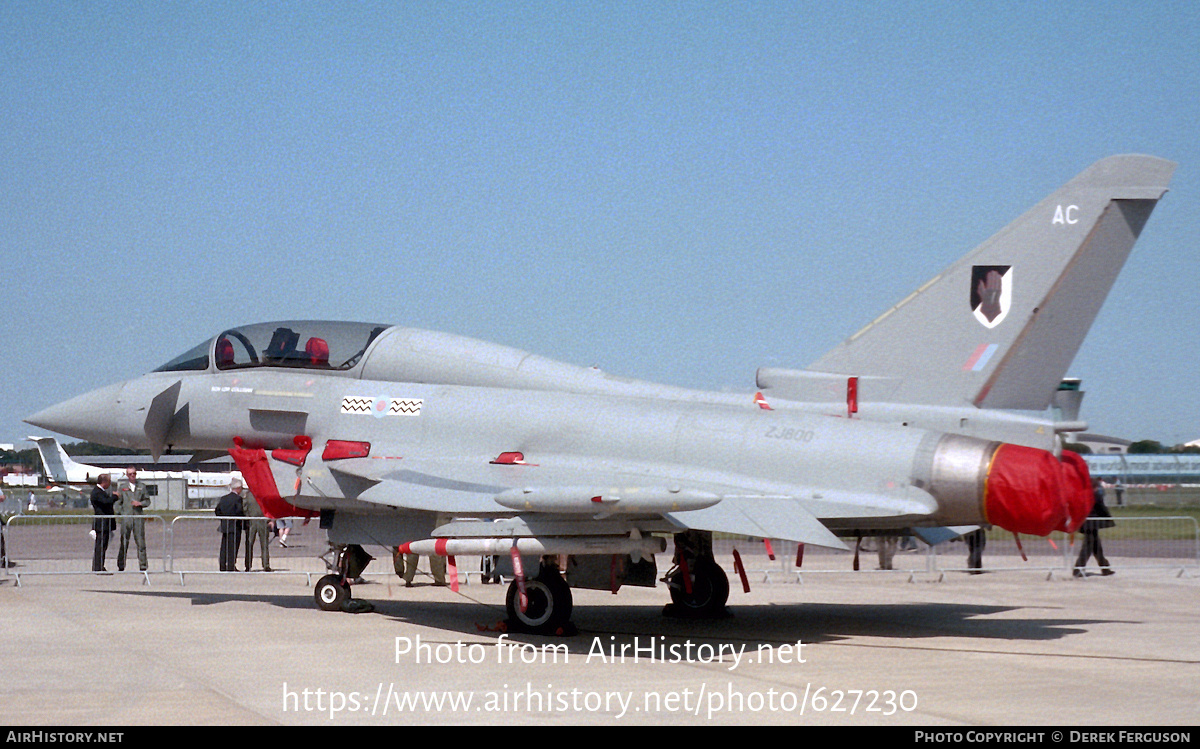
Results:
x,y
256,470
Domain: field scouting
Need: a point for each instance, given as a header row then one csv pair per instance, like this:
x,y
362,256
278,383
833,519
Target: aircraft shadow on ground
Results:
x,y
754,625
206,598
818,623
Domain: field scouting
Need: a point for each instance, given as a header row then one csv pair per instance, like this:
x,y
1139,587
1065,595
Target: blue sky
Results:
x,y
679,192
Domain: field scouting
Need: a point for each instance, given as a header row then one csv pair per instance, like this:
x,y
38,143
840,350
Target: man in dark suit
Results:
x,y
1098,518
230,506
103,525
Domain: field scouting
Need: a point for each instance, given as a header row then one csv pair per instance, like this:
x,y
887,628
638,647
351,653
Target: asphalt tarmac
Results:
x,y
1006,648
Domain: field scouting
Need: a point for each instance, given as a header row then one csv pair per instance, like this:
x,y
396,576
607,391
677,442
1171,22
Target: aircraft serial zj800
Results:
x,y
934,414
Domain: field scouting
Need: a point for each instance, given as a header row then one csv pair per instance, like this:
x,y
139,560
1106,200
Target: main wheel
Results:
x,y
710,590
331,592
548,607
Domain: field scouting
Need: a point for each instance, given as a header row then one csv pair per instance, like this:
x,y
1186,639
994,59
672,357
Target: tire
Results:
x,y
331,592
710,590
549,604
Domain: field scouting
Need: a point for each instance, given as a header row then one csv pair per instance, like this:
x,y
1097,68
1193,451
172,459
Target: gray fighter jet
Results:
x,y
934,414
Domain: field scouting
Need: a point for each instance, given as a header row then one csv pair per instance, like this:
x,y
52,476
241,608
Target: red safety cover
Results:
x,y
256,471
1025,491
342,449
1077,488
295,457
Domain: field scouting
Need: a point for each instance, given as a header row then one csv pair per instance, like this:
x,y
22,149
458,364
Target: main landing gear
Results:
x,y
548,604
699,587
333,590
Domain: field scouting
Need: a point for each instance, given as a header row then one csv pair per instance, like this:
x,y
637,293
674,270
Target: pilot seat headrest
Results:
x,y
224,352
317,350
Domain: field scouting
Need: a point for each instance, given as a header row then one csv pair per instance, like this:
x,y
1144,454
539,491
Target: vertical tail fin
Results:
x,y
59,466
998,328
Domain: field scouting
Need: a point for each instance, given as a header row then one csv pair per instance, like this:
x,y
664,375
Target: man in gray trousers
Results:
x,y
131,500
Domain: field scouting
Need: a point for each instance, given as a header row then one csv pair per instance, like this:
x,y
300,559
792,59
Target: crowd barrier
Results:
x,y
54,544
1165,543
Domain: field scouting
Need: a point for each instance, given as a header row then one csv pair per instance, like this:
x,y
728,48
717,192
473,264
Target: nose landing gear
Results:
x,y
332,592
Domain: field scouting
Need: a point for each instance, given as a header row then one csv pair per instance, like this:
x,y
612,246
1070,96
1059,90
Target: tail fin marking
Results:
x,y
999,328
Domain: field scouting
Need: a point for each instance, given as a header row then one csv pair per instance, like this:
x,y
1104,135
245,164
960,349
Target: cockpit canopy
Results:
x,y
310,344
398,354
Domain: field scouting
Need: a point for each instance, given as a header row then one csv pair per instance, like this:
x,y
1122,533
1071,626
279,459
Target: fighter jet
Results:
x,y
933,414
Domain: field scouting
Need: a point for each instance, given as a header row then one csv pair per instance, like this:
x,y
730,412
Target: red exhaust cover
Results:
x,y
1031,491
1077,486
1024,492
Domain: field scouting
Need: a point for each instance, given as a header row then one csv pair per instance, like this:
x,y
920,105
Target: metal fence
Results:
x,y
45,543
1165,543
53,544
193,545
59,544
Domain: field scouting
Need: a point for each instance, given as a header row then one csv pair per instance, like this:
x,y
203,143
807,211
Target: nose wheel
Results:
x,y
332,592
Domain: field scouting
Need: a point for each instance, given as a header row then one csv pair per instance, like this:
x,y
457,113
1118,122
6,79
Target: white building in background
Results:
x,y
1100,444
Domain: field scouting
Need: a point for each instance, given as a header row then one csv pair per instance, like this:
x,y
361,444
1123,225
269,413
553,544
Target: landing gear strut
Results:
x,y
548,604
333,590
699,587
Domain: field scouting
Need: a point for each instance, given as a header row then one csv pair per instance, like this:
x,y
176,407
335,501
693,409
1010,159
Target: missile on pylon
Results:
x,y
636,547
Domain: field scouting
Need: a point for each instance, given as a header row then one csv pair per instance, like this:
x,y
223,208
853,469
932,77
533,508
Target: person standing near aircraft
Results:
x,y
4,515
230,506
437,568
283,526
1098,518
102,526
131,499
257,529
887,550
976,540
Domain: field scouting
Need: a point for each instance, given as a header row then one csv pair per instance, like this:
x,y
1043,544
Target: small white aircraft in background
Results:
x,y
62,469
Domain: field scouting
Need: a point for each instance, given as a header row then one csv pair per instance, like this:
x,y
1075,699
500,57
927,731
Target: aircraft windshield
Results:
x,y
193,359
311,344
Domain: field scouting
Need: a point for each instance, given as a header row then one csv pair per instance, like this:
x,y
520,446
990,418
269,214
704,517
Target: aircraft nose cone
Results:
x,y
89,416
